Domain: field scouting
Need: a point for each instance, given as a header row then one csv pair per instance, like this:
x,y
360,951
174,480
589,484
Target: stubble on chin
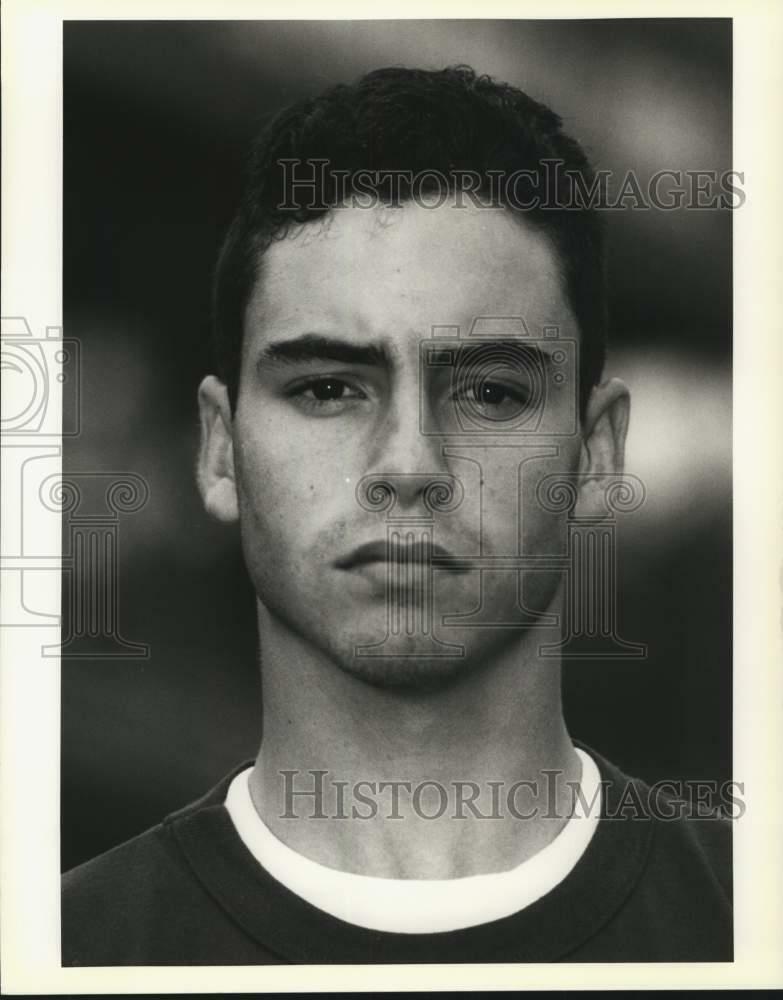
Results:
x,y
406,673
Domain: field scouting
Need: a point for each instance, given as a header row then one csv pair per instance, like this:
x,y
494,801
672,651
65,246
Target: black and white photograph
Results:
x,y
389,430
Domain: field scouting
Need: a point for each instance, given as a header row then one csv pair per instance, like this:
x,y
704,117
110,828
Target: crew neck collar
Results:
x,y
297,931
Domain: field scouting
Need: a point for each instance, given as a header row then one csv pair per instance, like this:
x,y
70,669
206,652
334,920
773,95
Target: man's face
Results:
x,y
333,390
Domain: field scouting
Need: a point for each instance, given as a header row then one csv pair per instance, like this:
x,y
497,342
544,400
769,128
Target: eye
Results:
x,y
325,395
490,394
487,393
328,388
485,399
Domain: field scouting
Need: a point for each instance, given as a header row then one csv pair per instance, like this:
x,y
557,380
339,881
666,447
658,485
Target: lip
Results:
x,y
372,553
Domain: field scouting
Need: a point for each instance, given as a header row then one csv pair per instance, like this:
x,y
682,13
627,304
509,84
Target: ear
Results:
x,y
603,445
216,481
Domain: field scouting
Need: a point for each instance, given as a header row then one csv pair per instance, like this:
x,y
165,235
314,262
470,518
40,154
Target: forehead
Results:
x,y
389,274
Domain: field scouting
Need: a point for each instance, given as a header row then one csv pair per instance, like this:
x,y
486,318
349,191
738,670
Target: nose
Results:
x,y
408,459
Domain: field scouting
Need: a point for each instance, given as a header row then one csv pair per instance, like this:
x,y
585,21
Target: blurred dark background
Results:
x,y
157,118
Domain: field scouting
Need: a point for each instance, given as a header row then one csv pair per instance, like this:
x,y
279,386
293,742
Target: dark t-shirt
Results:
x,y
188,892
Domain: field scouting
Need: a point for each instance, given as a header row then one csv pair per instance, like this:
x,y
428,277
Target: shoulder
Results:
x,y
694,843
117,896
680,828
677,904
118,907
124,870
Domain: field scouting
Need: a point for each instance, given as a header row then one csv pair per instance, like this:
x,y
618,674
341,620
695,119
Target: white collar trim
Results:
x,y
418,906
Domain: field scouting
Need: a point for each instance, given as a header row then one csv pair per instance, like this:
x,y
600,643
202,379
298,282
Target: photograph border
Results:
x,y
30,682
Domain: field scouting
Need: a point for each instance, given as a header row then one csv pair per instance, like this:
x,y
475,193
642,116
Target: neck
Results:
x,y
473,741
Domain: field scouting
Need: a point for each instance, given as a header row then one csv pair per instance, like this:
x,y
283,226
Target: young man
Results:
x,y
410,330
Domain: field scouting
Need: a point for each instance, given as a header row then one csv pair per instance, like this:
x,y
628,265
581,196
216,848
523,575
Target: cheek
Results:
x,y
291,491
544,526
544,523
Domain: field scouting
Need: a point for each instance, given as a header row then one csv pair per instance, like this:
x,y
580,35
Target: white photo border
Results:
x,y
30,683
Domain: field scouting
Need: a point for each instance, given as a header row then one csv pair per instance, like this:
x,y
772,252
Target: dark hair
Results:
x,y
413,120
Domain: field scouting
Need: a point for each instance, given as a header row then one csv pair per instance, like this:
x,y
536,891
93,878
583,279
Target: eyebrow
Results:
x,y
312,347
315,347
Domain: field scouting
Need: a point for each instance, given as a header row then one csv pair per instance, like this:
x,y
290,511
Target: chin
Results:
x,y
405,673
417,663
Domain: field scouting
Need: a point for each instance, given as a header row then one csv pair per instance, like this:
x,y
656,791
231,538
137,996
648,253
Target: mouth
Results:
x,y
387,551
